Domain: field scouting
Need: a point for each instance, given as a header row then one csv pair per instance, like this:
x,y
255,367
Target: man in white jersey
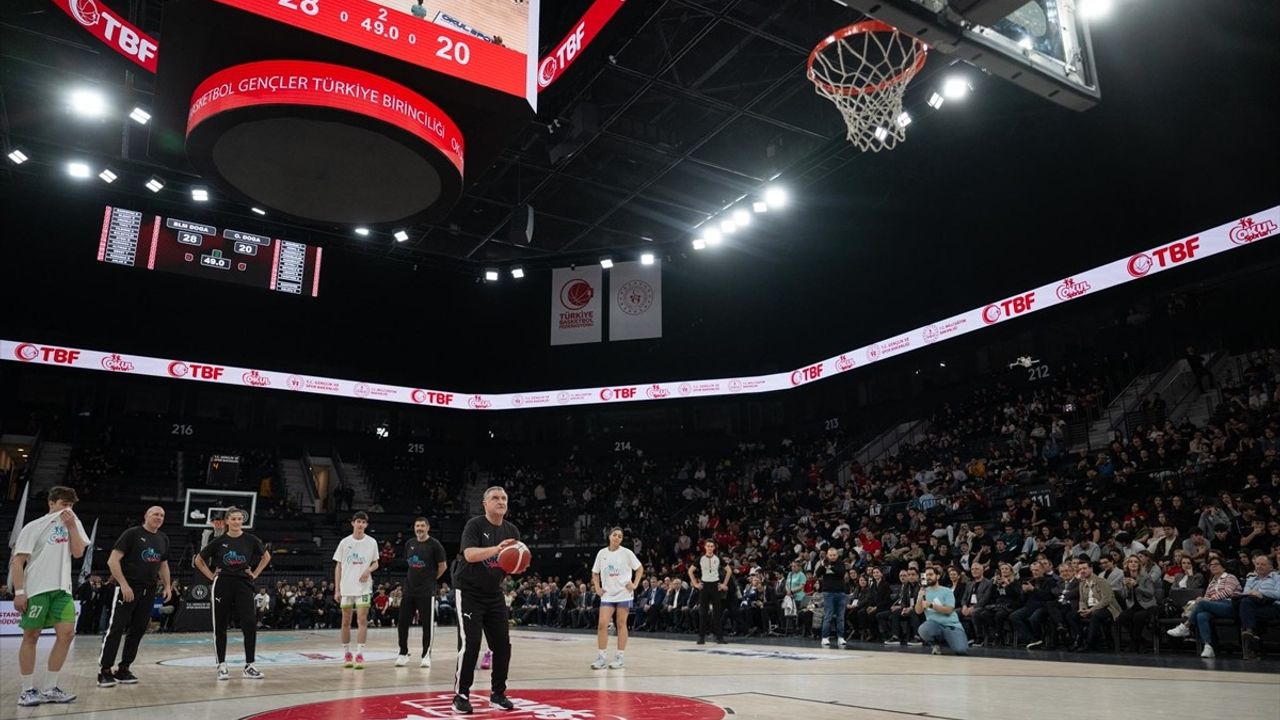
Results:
x,y
613,581
356,558
41,575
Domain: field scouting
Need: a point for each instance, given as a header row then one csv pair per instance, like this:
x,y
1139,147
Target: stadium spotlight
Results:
x,y
87,102
78,170
760,206
955,87
200,194
936,100
362,231
606,263
140,116
741,218
1025,43
646,258
155,184
881,133
517,272
107,176
400,235
942,364
904,119
17,157
728,226
491,275
775,196
258,211
699,244
712,236
1095,9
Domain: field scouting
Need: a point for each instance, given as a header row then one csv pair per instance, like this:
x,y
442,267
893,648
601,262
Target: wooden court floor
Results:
x,y
744,679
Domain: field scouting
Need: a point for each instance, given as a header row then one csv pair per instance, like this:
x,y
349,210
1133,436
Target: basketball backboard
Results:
x,y
1040,45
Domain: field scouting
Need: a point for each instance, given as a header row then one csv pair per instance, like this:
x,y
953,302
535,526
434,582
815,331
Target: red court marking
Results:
x,y
530,705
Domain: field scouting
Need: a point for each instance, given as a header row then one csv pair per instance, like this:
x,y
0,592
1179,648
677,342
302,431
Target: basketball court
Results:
x,y
664,679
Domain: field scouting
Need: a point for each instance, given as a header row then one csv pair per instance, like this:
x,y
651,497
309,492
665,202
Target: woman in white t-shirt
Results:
x,y
615,575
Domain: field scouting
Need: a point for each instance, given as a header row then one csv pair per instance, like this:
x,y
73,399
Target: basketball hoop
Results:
x,y
864,70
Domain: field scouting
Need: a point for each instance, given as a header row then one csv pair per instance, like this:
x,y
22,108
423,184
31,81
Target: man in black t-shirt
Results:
x,y
139,557
425,557
479,601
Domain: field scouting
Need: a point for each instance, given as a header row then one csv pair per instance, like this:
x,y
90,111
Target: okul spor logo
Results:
x,y
530,705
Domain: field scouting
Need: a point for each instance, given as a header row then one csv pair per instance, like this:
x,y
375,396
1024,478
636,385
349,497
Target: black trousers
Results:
x,y
481,612
233,599
425,606
710,610
127,617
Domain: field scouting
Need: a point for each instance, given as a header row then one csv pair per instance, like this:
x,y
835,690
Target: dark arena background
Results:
x,y
953,324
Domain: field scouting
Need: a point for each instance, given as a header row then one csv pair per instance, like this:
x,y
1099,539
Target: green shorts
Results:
x,y
48,609
355,602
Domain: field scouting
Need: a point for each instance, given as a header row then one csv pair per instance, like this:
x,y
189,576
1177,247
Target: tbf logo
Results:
x,y
27,352
625,393
178,369
1164,257
806,374
431,397
563,55
88,14
1015,305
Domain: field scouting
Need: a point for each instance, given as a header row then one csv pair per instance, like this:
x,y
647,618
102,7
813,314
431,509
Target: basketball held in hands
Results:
x,y
515,559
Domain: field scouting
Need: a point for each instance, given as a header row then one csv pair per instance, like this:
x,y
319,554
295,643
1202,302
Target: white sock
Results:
x,y
51,679
346,647
29,682
360,649
618,654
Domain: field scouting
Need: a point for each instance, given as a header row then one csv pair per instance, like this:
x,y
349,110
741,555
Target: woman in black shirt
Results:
x,y
232,562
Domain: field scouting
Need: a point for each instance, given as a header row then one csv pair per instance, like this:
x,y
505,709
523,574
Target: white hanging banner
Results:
x,y
635,301
575,305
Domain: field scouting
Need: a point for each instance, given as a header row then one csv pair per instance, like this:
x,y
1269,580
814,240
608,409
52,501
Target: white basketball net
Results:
x,y
865,75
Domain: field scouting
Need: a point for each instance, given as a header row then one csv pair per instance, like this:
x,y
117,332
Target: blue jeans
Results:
x,y
833,613
1203,614
953,635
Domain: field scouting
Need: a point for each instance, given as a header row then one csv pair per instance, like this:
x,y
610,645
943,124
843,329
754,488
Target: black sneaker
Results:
x,y
501,701
721,640
106,679
702,639
461,705
125,677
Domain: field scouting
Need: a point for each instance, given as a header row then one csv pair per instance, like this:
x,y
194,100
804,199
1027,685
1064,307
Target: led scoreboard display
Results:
x,y
492,43
187,247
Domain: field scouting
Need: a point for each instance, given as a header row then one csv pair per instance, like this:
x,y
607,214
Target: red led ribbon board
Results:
x,y
314,84
580,36
113,30
398,34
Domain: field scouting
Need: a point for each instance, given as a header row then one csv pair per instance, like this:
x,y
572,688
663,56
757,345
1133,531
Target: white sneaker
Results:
x,y
1179,631
30,697
223,672
1207,652
251,673
617,664
826,642
426,662
600,663
841,642
402,661
57,695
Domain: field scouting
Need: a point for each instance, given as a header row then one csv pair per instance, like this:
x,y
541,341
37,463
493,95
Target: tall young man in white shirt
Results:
x,y
356,558
41,575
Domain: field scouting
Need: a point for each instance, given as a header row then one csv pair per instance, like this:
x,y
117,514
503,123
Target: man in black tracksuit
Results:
x,y
480,604
426,560
139,557
709,575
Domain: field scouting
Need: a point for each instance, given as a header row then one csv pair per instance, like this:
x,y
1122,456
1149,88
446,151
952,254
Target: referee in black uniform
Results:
x,y
425,557
478,596
710,576
139,557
